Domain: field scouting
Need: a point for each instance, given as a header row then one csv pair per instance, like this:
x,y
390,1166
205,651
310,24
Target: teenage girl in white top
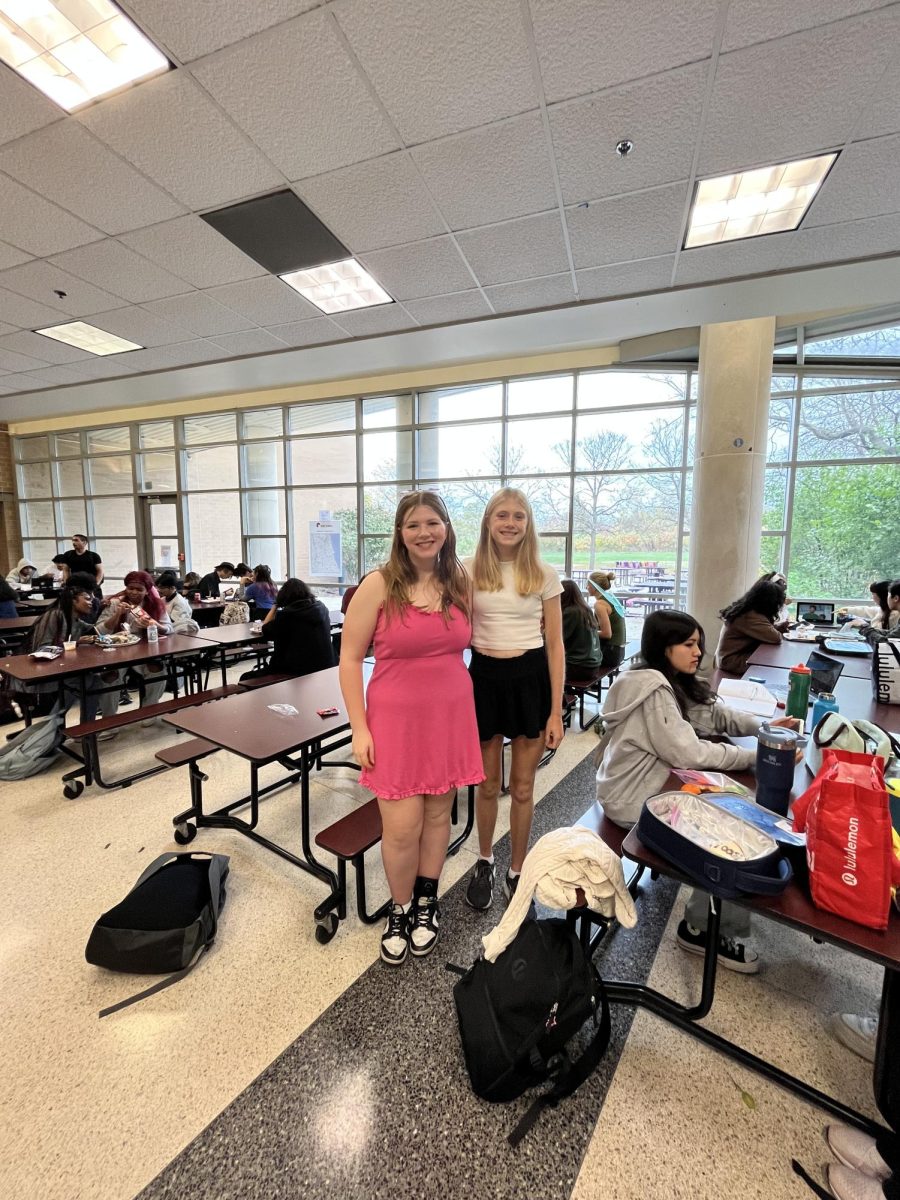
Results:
x,y
517,669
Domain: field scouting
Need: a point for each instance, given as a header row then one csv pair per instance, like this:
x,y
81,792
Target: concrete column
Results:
x,y
735,379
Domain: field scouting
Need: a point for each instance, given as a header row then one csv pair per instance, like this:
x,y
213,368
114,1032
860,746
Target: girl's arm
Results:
x,y
556,659
718,718
356,637
601,612
675,741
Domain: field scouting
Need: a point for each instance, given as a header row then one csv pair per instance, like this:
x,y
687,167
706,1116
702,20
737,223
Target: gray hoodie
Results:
x,y
648,737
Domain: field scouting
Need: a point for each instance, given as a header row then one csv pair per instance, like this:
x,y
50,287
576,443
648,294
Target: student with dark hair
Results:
x,y
80,560
749,621
879,614
653,714
7,600
209,584
21,575
178,607
260,594
581,637
299,627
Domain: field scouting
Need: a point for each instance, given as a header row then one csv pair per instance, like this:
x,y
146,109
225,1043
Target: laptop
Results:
x,y
815,612
825,672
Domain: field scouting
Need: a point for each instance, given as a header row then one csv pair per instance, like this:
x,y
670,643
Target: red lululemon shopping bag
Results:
x,y
847,821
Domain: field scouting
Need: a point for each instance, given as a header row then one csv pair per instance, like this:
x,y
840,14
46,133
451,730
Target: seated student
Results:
x,y
300,628
749,621
7,600
581,637
880,614
653,714
177,606
137,607
21,575
209,584
245,577
191,584
260,593
610,614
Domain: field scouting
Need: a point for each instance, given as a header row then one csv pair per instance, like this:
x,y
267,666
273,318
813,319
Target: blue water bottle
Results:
x,y
825,703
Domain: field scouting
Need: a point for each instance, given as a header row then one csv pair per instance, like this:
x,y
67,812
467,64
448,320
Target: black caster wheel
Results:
x,y
326,929
73,789
185,833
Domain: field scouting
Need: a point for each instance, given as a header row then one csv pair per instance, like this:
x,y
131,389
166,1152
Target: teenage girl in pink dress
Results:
x,y
414,729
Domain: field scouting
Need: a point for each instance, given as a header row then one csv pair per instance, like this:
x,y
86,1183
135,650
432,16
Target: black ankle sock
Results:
x,y
425,887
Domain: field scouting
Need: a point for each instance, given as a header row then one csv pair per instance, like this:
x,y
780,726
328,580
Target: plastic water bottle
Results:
x,y
825,703
799,680
152,635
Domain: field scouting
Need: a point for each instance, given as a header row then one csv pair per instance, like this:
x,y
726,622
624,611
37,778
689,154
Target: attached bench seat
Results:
x,y
585,918
248,685
162,709
348,839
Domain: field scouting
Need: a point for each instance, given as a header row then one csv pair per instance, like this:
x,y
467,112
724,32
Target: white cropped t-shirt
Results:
x,y
505,620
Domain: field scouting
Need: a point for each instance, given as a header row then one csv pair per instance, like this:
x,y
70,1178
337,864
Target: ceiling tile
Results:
x,y
532,293
11,257
137,325
171,130
252,341
192,250
40,281
4,329
309,333
373,204
10,361
56,376
34,224
848,240
586,45
864,182
189,30
490,174
623,279
21,383
111,265
20,312
408,272
660,115
108,367
46,349
197,313
22,107
265,301
882,114
762,21
295,90
749,256
647,223
440,68
796,96
67,165
367,322
184,354
441,310
521,249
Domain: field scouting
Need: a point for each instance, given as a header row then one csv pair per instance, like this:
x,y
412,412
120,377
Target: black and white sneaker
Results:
x,y
423,925
480,892
510,883
734,955
395,938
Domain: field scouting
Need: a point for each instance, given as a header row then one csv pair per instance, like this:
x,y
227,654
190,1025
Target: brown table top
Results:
x,y
36,602
12,624
212,603
795,908
93,658
788,654
231,635
245,725
854,697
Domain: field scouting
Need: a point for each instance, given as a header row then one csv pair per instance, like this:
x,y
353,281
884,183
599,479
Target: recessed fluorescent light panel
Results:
x,y
338,287
88,337
75,50
752,203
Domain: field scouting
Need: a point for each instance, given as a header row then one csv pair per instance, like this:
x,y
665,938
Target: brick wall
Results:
x,y
10,533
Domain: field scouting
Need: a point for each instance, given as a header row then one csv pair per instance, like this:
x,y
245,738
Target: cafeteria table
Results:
x,y
788,654
854,696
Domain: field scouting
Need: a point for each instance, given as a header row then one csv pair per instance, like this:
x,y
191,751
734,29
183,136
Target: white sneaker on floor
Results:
x,y
847,1184
858,1034
107,735
150,722
856,1150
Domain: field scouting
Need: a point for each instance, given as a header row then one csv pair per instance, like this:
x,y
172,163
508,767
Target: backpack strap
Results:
x,y
809,1181
570,1075
159,986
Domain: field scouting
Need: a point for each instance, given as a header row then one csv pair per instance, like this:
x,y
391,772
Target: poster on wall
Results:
x,y
325,557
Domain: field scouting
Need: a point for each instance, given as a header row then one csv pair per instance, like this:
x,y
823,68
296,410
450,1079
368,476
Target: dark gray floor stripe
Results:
x,y
373,1100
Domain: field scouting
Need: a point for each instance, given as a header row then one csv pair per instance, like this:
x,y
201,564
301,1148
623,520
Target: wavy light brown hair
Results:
x,y
399,573
529,569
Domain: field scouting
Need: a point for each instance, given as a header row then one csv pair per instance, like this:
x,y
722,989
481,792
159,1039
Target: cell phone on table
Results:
x,y
327,712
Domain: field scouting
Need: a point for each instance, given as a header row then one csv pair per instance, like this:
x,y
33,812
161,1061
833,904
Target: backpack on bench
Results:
x,y
165,923
517,1015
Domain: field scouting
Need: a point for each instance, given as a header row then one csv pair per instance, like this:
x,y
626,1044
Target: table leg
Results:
x,y
887,1051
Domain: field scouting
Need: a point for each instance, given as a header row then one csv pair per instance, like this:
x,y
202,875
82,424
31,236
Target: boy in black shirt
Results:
x,y
83,561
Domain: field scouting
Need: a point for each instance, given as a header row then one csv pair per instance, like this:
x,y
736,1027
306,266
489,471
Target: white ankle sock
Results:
x,y
484,858
511,874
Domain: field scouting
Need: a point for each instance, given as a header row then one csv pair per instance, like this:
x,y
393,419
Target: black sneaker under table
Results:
x,y
423,925
480,892
731,953
395,938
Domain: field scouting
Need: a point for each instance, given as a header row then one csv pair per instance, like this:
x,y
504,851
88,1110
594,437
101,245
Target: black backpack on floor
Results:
x,y
517,1015
165,923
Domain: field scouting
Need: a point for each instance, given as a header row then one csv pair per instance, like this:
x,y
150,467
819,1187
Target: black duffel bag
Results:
x,y
165,923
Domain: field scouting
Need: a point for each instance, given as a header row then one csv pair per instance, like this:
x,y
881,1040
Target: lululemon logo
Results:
x,y
849,879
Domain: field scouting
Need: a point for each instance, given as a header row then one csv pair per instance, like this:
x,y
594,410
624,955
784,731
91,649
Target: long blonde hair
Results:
x,y
528,567
399,573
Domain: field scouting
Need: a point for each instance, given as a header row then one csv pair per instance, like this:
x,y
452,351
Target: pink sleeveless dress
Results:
x,y
419,707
